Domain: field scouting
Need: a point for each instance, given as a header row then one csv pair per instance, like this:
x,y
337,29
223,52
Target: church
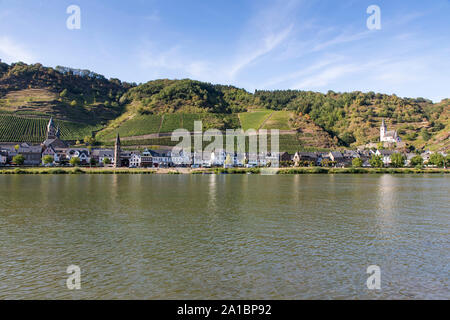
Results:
x,y
388,136
53,138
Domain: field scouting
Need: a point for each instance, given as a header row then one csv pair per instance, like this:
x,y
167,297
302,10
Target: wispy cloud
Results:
x,y
302,72
267,30
269,43
340,39
11,51
172,59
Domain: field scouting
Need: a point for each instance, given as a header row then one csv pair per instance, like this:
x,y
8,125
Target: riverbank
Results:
x,y
303,170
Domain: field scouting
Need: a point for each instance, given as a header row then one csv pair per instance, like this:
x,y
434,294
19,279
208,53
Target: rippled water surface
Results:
x,y
224,236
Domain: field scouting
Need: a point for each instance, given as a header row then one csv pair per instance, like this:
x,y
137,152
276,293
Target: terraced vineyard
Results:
x,y
278,120
22,129
288,142
254,119
141,125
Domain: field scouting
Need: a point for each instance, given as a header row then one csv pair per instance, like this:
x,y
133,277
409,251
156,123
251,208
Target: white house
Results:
x,y
160,158
135,160
50,151
3,157
218,157
385,155
105,154
82,154
180,157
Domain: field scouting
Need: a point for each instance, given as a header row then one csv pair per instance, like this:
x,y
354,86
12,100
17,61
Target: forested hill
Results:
x,y
346,119
70,94
354,117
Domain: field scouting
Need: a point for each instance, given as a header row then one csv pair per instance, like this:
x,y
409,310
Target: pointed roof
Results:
x,y
118,139
383,124
58,132
50,123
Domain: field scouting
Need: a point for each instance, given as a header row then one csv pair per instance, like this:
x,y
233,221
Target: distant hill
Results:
x,y
69,94
312,119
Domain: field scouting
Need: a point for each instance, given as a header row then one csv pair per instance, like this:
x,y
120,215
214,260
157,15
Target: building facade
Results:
x,y
388,136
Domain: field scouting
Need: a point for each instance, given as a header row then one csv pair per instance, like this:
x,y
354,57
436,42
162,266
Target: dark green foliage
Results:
x,y
357,162
416,161
437,159
376,161
397,160
18,160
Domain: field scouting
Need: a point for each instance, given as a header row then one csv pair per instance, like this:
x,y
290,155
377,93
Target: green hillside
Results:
x,y
318,120
64,93
253,119
23,129
130,125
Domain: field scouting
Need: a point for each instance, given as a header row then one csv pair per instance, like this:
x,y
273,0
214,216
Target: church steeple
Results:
x,y
117,151
383,130
51,130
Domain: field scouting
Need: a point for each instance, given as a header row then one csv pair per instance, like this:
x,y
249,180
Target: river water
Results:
x,y
224,236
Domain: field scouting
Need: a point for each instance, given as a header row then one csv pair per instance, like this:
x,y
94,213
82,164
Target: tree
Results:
x,y
437,159
93,162
425,135
357,163
89,140
376,161
75,161
397,160
18,160
16,147
48,159
107,161
63,93
416,161
73,103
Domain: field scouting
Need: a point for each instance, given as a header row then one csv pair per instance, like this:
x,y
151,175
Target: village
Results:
x,y
56,152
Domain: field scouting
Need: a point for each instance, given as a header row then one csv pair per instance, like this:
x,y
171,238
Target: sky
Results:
x,y
252,44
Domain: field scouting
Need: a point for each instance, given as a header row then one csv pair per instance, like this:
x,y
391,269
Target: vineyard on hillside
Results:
x,y
143,124
22,129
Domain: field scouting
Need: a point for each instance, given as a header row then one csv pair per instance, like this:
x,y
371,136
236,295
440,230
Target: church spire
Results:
x,y
51,130
117,152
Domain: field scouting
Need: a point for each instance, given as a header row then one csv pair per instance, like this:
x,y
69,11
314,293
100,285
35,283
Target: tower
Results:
x,y
58,133
51,130
117,163
383,130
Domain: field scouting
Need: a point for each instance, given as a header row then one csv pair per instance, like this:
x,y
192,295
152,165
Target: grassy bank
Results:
x,y
305,170
315,170
76,171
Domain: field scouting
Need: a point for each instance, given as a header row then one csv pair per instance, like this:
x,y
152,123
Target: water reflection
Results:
x,y
387,193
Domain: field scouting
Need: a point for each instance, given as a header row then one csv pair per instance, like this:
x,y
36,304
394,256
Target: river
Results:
x,y
224,236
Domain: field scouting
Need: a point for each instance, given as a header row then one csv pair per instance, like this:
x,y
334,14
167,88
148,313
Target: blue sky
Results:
x,y
258,44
